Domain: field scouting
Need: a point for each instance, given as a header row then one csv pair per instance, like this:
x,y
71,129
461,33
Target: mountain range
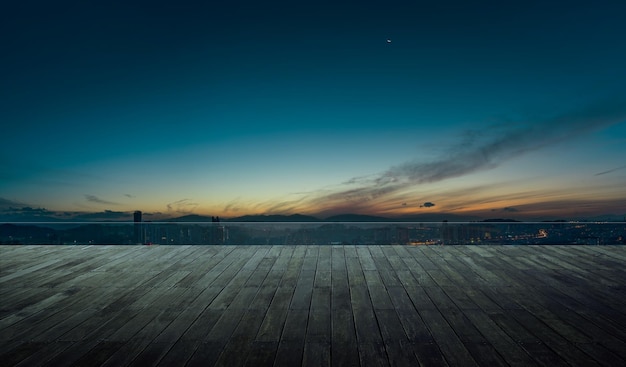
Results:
x,y
436,217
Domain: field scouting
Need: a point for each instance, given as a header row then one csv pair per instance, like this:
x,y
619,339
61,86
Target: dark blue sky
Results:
x,y
284,107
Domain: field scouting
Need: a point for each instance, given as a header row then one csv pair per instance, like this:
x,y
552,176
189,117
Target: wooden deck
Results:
x,y
312,305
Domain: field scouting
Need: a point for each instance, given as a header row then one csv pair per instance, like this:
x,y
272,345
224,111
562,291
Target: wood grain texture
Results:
x,y
312,305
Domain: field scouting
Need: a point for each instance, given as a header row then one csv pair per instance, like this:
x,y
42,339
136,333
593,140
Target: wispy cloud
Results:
x,y
97,200
233,206
490,147
183,206
286,206
8,203
510,209
609,171
477,150
26,210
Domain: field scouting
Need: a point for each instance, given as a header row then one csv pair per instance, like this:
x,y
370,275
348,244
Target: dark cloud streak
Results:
x,y
609,171
4,202
95,199
480,150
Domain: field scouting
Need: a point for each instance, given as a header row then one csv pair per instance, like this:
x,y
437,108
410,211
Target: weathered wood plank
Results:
x,y
313,305
451,347
236,350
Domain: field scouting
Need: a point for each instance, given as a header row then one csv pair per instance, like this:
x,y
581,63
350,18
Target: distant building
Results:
x,y
138,227
382,236
402,235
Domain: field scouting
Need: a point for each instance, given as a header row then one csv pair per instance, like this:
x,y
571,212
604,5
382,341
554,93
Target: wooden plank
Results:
x,y
46,320
295,326
75,353
151,355
390,278
400,353
350,251
414,327
316,354
355,305
391,329
379,298
213,343
206,354
45,354
291,346
289,353
318,327
451,347
230,291
513,354
201,326
344,354
310,258
343,330
337,258
292,273
266,291
355,272
429,354
360,298
185,318
236,350
324,258
262,354
366,326
340,290
373,354
204,264
365,258
552,339
486,355
275,317
20,352
407,279
420,298
304,289
31,269
30,315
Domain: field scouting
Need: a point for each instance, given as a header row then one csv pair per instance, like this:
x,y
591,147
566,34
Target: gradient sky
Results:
x,y
488,109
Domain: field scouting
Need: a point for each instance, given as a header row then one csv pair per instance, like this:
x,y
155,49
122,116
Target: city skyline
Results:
x,y
400,109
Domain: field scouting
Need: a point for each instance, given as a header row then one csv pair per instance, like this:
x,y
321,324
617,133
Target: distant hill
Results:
x,y
191,218
437,217
28,219
356,218
500,220
274,218
335,218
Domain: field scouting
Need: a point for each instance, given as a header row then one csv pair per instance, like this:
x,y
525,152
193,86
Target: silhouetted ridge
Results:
x,y
356,218
501,220
275,218
191,218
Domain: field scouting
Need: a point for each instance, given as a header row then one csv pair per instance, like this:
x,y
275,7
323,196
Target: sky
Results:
x,y
483,109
